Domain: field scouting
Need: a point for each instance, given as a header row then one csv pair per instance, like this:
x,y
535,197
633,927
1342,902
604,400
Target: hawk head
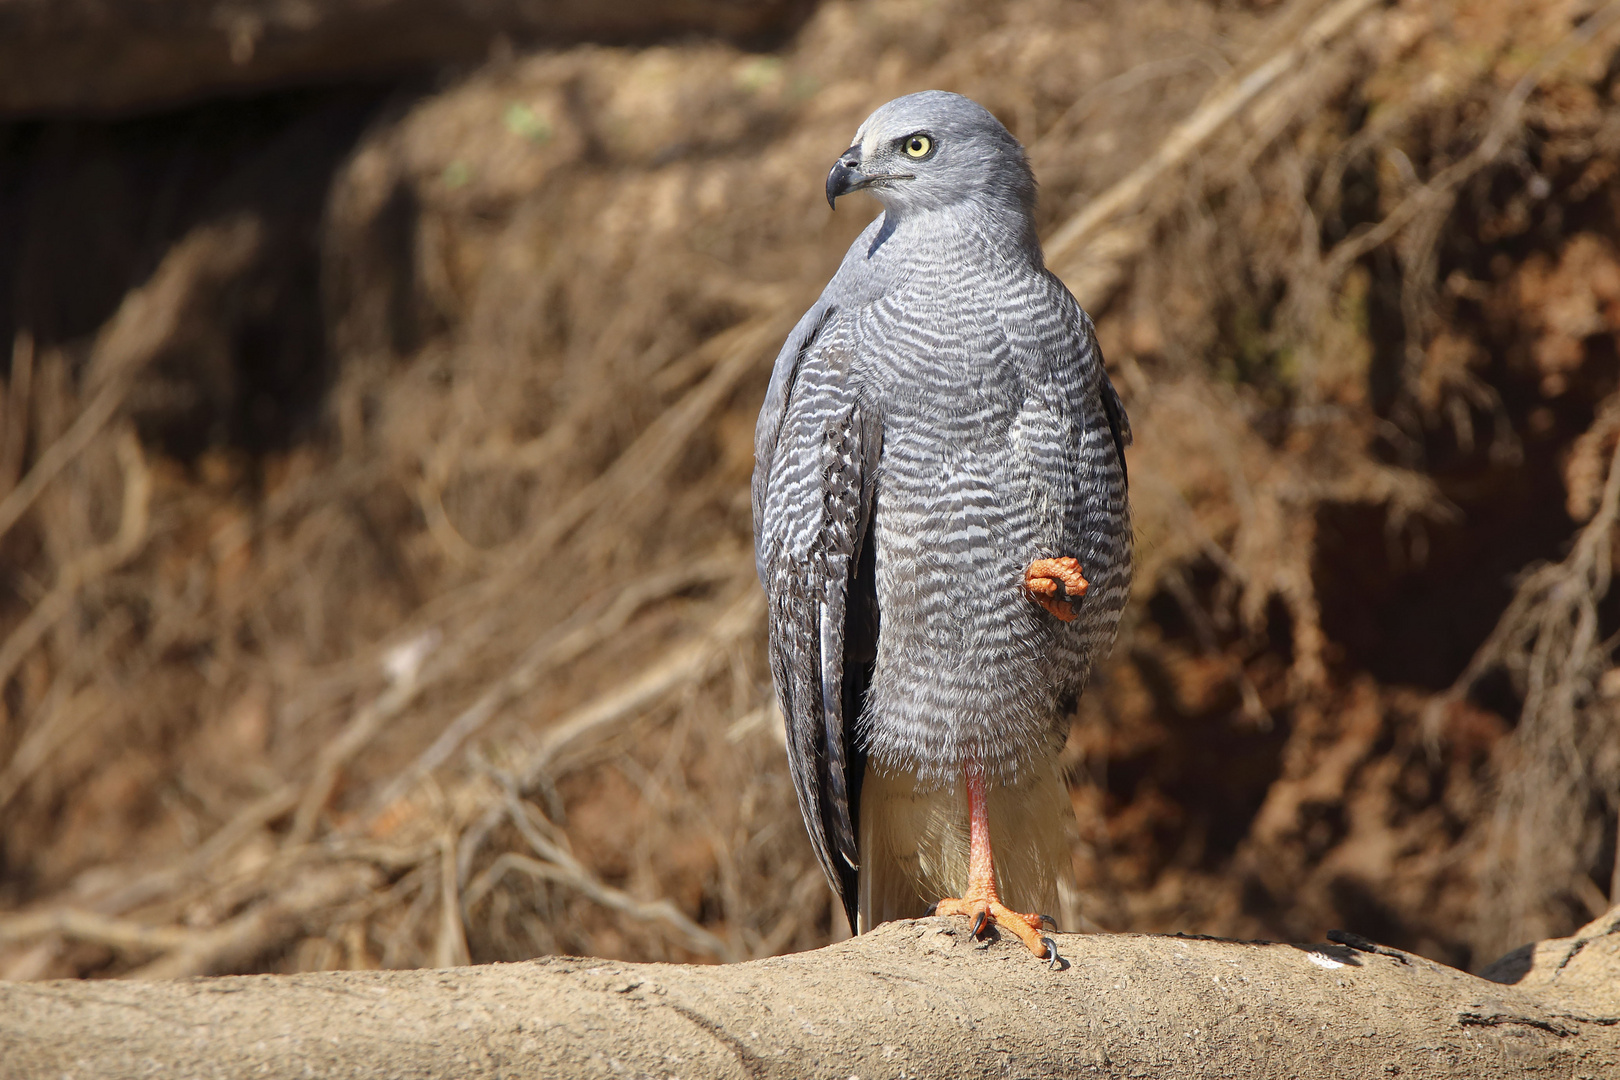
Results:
x,y
934,149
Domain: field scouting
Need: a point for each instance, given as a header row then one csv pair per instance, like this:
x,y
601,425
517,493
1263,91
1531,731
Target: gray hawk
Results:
x,y
942,530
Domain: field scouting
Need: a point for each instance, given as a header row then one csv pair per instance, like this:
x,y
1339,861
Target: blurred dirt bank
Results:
x,y
377,584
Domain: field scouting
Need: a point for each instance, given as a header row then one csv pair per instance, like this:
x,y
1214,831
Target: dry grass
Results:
x,y
473,668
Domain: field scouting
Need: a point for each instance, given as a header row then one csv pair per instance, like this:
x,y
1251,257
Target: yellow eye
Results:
x,y
918,146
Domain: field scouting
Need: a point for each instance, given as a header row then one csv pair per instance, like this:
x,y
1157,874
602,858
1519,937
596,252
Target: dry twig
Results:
x,y
37,745
1435,197
1192,133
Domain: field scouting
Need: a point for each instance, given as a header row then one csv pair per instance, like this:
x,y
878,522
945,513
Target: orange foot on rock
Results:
x,y
1052,583
987,911
980,900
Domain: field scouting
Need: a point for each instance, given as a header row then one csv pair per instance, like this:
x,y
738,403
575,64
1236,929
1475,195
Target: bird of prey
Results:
x,y
942,530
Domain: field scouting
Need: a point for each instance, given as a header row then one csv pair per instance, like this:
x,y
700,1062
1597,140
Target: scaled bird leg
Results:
x,y
1052,583
980,902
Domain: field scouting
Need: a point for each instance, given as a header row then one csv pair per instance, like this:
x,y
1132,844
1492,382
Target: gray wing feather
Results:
x,y
814,486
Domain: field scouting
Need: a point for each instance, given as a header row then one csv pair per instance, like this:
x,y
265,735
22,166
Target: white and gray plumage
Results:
x,y
936,423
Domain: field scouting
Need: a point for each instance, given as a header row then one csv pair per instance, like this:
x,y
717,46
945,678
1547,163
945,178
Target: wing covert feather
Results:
x,y
1119,425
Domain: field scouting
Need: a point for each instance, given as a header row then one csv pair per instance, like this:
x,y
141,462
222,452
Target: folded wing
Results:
x,y
814,485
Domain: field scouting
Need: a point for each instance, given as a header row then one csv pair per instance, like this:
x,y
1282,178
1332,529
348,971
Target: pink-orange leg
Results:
x,y
980,902
1052,583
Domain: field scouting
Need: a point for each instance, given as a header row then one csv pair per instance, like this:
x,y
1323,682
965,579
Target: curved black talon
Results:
x,y
1053,959
932,909
979,921
1050,922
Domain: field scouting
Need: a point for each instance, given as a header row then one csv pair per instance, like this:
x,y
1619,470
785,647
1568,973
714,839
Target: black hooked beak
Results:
x,y
846,176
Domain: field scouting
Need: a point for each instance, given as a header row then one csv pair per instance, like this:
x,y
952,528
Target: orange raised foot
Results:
x,y
1053,583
